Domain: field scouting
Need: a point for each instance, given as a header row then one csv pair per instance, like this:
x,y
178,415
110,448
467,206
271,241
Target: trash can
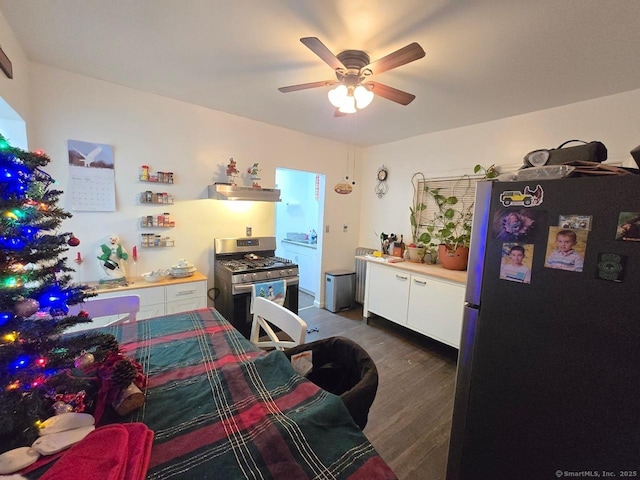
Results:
x,y
344,368
340,289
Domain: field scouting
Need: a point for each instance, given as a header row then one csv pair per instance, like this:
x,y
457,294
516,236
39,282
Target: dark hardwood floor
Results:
x,y
410,419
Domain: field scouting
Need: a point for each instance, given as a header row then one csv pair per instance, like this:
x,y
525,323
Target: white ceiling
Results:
x,y
485,59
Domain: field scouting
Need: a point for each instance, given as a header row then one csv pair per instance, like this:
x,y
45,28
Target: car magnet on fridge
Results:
x,y
527,198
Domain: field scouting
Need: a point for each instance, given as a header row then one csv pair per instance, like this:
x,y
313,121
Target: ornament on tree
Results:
x,y
73,241
85,359
69,402
26,307
36,190
60,407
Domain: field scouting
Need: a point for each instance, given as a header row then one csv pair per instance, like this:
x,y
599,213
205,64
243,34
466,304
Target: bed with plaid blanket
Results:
x,y
221,409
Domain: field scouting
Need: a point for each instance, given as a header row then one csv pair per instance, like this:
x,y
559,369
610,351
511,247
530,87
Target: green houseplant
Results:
x,y
448,229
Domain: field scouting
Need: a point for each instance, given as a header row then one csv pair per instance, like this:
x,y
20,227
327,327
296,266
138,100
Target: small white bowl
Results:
x,y
155,276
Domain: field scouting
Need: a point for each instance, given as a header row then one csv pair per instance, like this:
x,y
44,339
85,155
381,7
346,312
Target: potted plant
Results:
x,y
449,227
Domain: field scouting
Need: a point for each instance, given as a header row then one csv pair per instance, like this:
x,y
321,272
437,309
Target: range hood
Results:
x,y
227,191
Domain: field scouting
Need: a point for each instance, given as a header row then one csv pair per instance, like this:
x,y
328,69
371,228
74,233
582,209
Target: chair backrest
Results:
x,y
267,313
125,308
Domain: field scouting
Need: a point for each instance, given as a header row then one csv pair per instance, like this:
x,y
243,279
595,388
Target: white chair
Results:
x,y
111,311
267,313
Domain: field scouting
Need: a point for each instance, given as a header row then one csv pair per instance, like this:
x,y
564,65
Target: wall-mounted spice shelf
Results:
x,y
158,198
157,221
160,177
150,240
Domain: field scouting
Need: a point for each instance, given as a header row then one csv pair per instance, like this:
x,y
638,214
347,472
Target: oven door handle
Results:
x,y
240,288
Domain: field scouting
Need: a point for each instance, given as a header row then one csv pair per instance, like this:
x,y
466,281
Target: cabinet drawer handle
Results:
x,y
420,282
400,277
185,292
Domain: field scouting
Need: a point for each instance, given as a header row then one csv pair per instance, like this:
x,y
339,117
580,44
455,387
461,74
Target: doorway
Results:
x,y
12,126
299,220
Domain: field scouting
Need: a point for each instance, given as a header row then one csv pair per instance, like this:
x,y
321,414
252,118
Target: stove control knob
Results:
x,y
290,272
268,274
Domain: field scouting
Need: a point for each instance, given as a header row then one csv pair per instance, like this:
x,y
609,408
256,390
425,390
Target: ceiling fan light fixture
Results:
x,y
337,95
363,96
348,105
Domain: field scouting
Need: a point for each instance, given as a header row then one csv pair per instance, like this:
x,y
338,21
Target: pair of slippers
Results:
x,y
56,434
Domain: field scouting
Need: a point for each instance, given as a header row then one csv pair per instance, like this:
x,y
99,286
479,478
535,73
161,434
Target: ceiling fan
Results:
x,y
353,68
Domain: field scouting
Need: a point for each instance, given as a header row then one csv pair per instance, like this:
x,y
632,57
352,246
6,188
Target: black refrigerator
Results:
x,y
548,377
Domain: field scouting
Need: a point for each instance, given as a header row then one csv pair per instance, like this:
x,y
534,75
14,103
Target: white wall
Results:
x,y
612,120
193,142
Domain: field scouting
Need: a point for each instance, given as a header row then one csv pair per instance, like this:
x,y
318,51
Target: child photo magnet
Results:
x,y
628,227
566,248
515,263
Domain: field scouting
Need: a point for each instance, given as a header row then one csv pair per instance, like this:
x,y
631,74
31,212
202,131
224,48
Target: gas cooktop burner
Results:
x,y
254,262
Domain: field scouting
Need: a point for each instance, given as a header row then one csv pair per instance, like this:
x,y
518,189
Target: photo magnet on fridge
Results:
x,y
518,224
515,262
628,227
611,266
566,248
575,222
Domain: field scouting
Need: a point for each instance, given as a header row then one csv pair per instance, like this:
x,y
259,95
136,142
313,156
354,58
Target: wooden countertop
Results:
x,y
419,268
139,282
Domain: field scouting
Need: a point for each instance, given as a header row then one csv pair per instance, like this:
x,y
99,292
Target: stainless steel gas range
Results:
x,y
241,262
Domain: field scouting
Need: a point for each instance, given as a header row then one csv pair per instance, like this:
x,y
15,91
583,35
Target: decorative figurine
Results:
x,y
254,172
112,260
232,171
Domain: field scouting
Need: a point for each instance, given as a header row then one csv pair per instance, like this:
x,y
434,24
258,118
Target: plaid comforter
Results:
x,y
222,409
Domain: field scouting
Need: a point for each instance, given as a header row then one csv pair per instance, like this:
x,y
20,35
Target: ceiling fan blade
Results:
x,y
405,55
390,93
304,86
338,113
319,48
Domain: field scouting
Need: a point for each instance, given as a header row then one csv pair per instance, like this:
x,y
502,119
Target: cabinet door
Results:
x,y
388,292
152,300
435,309
186,304
149,311
186,296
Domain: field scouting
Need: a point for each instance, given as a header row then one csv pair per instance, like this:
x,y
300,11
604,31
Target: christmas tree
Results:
x,y
38,374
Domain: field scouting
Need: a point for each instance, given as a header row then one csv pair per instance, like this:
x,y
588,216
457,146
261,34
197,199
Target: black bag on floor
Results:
x,y
344,368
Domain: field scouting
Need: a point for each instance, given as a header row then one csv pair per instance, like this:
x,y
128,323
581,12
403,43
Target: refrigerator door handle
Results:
x,y
479,230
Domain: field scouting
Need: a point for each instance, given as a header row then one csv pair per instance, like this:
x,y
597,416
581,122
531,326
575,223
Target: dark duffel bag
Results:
x,y
587,152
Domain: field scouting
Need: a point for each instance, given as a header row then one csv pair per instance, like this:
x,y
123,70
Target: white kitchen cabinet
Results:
x,y
306,257
435,308
424,298
388,291
174,295
183,297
